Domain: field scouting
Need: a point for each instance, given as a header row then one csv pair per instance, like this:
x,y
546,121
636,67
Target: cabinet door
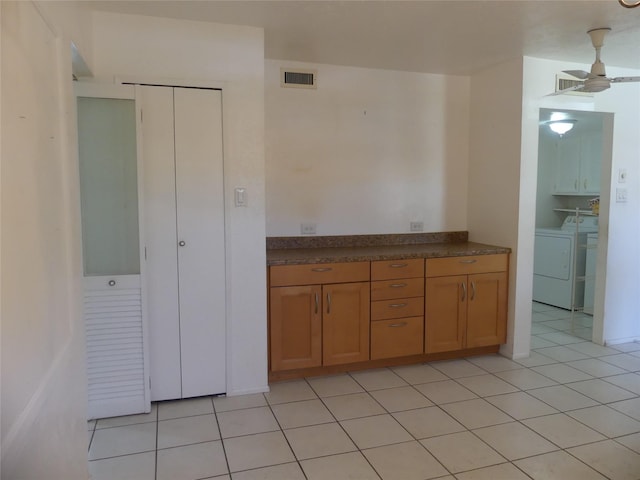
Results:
x,y
445,313
567,166
487,309
296,327
345,324
591,164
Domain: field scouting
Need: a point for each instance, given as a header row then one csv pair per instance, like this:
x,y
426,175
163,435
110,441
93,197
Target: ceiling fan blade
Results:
x,y
581,74
625,79
577,88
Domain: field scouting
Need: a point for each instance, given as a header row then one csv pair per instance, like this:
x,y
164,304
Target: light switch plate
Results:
x,y
621,195
240,197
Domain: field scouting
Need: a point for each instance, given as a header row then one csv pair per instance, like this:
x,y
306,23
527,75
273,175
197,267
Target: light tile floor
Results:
x,y
569,411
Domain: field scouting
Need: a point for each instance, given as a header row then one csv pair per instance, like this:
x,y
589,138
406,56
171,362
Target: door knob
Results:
x,y
182,243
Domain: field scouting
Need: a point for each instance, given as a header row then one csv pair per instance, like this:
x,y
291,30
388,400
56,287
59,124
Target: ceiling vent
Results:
x,y
298,78
563,82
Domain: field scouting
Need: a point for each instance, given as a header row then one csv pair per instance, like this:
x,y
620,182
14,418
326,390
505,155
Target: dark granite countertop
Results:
x,y
294,256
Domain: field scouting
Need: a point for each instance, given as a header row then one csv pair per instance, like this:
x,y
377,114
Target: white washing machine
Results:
x,y
553,272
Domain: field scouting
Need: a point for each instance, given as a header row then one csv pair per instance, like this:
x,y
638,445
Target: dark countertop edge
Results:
x,y
370,254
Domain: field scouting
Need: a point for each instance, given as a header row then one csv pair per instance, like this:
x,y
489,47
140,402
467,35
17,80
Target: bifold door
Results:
x,y
184,232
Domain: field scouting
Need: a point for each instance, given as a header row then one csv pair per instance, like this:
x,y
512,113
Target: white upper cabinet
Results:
x,y
577,165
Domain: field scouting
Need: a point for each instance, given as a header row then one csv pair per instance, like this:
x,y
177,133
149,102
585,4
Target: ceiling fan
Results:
x,y
596,80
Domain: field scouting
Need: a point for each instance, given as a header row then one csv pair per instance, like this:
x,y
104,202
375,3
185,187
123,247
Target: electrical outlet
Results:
x,y
416,226
308,228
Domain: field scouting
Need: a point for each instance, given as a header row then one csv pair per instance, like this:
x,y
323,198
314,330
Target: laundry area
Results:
x,y
570,153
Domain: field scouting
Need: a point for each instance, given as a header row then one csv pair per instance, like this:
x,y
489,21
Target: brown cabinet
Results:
x,y
345,323
319,315
465,302
296,327
397,308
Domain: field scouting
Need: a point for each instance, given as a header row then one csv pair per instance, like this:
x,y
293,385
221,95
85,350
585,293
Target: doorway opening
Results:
x,y
567,226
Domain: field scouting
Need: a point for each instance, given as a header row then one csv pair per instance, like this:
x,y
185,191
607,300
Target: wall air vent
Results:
x,y
566,81
298,78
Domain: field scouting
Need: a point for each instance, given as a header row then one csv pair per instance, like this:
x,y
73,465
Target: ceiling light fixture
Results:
x,y
561,126
627,4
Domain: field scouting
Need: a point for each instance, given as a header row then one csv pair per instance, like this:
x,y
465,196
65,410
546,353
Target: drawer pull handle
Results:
x,y
112,283
397,305
398,265
468,261
397,285
325,269
399,324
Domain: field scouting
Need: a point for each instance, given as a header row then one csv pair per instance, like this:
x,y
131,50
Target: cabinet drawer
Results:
x,y
318,273
404,288
439,267
389,269
397,338
397,308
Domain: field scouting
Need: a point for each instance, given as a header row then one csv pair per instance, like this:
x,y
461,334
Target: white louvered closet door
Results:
x,y
184,230
108,144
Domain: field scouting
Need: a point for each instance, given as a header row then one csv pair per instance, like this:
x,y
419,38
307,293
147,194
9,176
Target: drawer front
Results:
x,y
403,288
397,338
318,273
397,308
440,267
390,269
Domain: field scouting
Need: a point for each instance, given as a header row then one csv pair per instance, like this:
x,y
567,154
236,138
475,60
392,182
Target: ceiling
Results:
x,y
456,37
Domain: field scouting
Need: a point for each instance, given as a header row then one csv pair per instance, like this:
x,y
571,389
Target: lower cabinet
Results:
x,y
465,310
321,324
345,323
397,308
296,327
328,315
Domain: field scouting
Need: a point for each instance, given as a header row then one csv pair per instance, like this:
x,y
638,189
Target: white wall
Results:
x,y
617,287
152,49
43,400
494,183
620,240
368,151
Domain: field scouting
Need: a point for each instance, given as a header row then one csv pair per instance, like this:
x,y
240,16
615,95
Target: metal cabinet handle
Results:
x,y
397,305
397,285
328,302
472,260
464,291
325,269
317,302
575,185
182,243
112,283
585,183
473,291
399,324
398,265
